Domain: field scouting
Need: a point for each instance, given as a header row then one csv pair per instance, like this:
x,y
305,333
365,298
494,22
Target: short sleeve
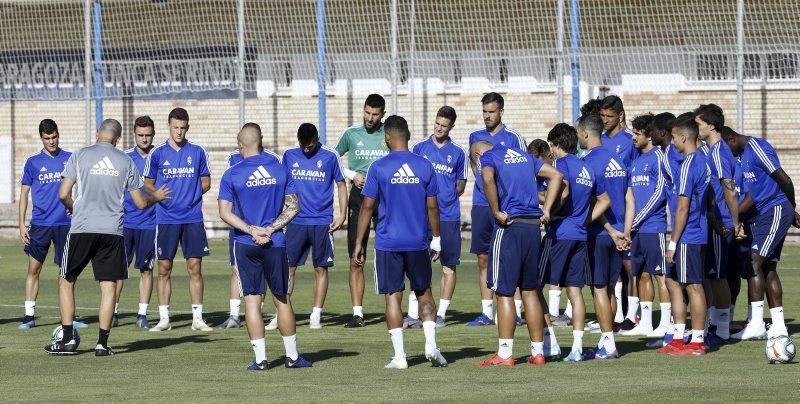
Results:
x,y
722,163
599,183
134,180
225,188
205,170
432,188
151,165
686,178
765,156
343,145
338,174
461,166
71,168
27,175
285,163
371,183
487,161
290,187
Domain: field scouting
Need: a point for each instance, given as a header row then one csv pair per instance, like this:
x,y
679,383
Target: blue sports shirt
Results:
x,y
135,218
621,145
314,177
450,165
759,161
42,173
611,177
505,137
180,170
575,209
647,181
515,175
693,181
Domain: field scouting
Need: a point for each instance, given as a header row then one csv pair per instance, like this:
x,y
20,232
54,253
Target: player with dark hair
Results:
x,y
688,241
183,167
93,185
363,144
406,186
592,106
771,191
265,201
494,132
450,164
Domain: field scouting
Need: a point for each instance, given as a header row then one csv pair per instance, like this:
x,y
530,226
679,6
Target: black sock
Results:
x,y
27,319
102,339
66,336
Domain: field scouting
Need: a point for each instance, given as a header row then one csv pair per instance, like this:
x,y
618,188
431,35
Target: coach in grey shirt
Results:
x,y
94,182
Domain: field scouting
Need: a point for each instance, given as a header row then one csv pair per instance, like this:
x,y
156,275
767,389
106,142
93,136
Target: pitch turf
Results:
x,y
183,365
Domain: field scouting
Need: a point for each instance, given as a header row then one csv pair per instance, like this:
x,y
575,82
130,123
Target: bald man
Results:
x,y
102,174
264,195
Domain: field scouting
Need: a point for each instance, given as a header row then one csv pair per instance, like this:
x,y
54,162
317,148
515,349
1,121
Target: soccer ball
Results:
x,y
780,349
59,332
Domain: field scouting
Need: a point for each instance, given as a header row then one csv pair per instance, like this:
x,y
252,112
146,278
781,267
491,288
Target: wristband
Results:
x,y
672,245
436,244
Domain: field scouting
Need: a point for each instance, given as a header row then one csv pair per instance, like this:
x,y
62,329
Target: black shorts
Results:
x,y
354,206
105,251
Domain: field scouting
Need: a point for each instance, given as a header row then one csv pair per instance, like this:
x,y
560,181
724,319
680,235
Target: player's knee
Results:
x,y
448,270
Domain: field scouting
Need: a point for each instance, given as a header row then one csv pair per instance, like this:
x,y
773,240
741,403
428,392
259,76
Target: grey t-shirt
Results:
x,y
102,175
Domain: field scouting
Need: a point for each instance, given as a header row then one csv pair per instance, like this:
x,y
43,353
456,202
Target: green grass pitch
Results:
x,y
183,365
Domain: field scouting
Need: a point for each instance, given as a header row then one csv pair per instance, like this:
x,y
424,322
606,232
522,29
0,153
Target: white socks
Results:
x,y
553,301
680,329
757,312
443,305
723,321
397,342
633,306
777,317
163,313
290,345
30,307
697,336
197,312
647,314
666,313
619,317
413,306
577,341
116,307
142,309
429,328
358,311
518,306
568,309
487,308
235,305
550,336
505,348
259,349
537,348
607,342
316,313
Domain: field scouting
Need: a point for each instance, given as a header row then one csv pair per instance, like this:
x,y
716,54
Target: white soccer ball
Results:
x,y
780,349
59,332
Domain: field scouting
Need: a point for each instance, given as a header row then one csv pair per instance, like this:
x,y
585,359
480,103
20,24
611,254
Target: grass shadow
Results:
x,y
157,343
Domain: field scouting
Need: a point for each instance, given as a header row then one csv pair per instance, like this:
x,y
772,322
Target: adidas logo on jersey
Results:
x,y
360,143
296,164
513,157
613,169
584,178
104,167
166,163
404,175
43,169
260,177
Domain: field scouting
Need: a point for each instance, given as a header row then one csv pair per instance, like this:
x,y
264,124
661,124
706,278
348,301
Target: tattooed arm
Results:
x,y
291,207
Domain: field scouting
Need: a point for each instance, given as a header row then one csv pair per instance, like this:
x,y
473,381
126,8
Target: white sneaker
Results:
x,y
592,327
436,359
638,330
200,325
397,363
314,323
551,351
658,332
777,331
272,325
163,325
751,331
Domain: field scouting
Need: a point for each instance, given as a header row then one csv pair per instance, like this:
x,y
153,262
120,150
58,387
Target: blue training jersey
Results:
x,y
401,182
575,209
135,218
647,181
314,177
693,182
257,186
42,172
722,164
505,137
515,175
672,167
450,166
611,177
621,145
236,156
738,180
759,161
180,170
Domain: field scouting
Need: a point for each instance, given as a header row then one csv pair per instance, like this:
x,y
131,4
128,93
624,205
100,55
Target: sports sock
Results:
x,y
197,312
163,313
429,328
443,305
553,301
487,308
777,317
358,311
711,316
537,348
102,337
677,335
607,341
505,347
30,308
290,345
758,312
518,306
568,309
397,342
116,308
551,336
577,340
413,306
316,312
647,314
618,317
666,313
749,312
633,307
697,336
723,323
142,309
235,305
66,335
259,349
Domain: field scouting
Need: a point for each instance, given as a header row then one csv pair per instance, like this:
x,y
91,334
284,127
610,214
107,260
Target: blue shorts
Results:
x,y
301,237
568,262
257,266
142,243
605,261
41,237
717,255
648,253
191,236
391,268
514,259
740,258
482,227
770,231
688,268
451,243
